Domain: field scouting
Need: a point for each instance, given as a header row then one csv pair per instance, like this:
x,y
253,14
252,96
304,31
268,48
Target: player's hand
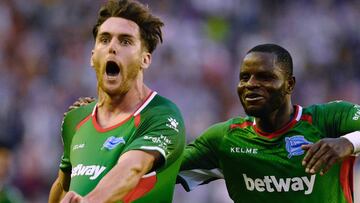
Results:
x,y
82,101
322,155
73,197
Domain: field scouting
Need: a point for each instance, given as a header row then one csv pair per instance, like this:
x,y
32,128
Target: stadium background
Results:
x,y
45,48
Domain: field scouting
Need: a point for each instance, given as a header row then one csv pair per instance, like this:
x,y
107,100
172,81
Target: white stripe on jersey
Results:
x,y
298,116
196,177
153,148
153,173
145,103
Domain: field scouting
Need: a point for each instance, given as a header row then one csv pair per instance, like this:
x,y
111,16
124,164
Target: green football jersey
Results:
x,y
90,151
266,167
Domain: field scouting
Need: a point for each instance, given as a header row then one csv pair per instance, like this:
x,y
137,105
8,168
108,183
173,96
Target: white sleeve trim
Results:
x,y
153,148
153,173
196,177
354,138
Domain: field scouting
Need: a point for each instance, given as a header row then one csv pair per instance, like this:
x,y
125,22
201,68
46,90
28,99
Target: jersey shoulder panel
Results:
x,y
215,132
68,129
212,137
240,122
161,129
161,110
74,117
160,114
330,107
161,105
335,118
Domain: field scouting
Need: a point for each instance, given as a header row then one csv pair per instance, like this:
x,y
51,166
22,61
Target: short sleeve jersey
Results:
x,y
90,151
266,167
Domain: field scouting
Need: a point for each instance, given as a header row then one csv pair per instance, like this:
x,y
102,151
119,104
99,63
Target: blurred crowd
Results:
x,y
45,48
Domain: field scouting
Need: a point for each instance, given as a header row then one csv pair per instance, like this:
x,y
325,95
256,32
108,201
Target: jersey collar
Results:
x,y
286,127
149,98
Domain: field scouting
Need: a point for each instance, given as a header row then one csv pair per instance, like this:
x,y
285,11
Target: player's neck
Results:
x,y
277,119
114,109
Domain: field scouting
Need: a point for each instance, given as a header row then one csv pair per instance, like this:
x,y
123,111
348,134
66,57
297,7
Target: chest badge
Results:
x,y
293,145
112,142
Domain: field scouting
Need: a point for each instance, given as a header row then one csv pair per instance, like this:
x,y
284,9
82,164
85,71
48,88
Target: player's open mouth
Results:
x,y
253,97
112,69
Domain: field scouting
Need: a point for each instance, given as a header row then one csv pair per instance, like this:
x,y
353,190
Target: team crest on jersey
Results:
x,y
112,142
293,145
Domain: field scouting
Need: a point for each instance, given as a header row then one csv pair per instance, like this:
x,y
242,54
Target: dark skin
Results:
x,y
322,155
265,92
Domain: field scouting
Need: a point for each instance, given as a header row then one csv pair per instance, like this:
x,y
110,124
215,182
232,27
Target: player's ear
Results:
x,y
290,84
145,60
91,59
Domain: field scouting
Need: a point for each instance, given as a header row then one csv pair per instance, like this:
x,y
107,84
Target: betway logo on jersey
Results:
x,y
273,184
93,171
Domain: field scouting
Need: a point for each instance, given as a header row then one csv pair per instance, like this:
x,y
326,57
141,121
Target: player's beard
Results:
x,y
274,102
128,80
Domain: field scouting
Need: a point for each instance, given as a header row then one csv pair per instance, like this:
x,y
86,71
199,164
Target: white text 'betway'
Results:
x,y
93,171
273,184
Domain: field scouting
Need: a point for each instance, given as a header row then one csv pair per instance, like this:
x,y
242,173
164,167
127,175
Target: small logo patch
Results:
x,y
78,146
293,145
112,142
173,124
357,113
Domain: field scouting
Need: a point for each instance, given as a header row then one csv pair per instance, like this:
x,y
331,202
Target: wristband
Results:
x,y
354,138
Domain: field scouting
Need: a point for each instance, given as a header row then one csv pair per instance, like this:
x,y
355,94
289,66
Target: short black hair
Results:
x,y
282,55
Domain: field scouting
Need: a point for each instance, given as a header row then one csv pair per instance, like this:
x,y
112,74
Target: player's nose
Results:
x,y
252,82
113,47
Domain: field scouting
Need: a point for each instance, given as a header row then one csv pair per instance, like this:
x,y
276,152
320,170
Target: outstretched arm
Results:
x,y
340,123
321,156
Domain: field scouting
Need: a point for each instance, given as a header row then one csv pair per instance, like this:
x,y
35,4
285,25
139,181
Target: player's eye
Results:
x,y
104,39
244,77
266,77
125,42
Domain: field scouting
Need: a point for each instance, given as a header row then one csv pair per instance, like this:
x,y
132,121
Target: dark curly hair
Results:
x,y
150,26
